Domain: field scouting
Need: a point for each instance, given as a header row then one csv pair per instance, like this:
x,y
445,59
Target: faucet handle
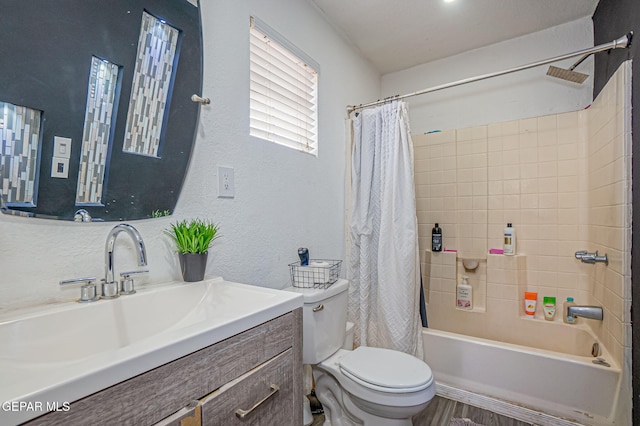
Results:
x,y
126,283
604,259
87,290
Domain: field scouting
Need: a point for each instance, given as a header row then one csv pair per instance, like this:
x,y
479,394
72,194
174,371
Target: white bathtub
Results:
x,y
535,385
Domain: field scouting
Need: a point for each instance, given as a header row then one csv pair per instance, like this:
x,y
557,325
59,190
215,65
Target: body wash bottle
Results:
x,y
509,240
464,294
530,300
549,303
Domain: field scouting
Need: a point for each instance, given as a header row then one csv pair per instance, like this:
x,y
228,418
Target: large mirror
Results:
x,y
95,106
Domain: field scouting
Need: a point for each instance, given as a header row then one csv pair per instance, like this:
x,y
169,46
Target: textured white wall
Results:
x,y
284,199
524,94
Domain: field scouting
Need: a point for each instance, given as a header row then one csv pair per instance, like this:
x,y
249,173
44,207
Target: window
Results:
x,y
283,91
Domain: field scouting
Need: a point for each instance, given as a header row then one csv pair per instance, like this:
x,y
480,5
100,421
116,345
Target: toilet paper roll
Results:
x,y
321,271
311,275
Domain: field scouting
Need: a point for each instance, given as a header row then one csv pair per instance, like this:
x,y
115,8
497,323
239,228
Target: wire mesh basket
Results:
x,y
320,273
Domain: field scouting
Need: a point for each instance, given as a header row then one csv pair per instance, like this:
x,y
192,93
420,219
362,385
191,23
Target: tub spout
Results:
x,y
591,312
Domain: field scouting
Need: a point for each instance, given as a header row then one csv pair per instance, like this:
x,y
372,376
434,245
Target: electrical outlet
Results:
x,y
59,167
226,184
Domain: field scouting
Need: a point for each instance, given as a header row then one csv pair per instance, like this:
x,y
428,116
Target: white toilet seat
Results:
x,y
368,367
375,394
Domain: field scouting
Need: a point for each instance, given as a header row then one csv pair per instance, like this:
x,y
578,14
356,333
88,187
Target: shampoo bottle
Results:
x,y
565,318
465,294
509,240
436,238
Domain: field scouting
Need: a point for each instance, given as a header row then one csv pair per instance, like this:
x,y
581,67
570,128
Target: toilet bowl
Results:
x,y
384,383
364,386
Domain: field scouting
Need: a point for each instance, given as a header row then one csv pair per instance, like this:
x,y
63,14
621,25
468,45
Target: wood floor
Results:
x,y
441,411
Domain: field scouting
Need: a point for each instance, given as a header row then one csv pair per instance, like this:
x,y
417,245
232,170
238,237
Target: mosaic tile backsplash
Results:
x,y
151,86
96,135
20,144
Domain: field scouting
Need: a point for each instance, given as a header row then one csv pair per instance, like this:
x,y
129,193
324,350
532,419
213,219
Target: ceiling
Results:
x,y
396,35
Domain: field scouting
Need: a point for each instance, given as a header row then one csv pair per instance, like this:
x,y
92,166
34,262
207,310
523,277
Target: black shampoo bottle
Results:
x,y
436,238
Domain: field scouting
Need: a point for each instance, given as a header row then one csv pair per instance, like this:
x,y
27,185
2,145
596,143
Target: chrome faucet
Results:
x,y
591,312
110,286
586,257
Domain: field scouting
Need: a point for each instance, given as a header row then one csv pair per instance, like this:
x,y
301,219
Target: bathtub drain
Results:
x,y
595,349
601,361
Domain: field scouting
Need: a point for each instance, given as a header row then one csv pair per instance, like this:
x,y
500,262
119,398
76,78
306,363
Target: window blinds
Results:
x,y
283,91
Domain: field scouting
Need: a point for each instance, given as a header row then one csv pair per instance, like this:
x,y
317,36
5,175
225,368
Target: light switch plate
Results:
x,y
61,147
226,182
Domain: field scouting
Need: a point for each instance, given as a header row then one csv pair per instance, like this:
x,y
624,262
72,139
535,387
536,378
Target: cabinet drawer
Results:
x,y
219,408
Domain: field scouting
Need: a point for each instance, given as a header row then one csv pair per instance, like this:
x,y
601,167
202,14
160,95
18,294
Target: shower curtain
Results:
x,y
384,266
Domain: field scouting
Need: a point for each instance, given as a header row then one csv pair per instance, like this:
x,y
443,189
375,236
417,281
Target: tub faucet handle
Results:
x,y
581,253
591,258
604,259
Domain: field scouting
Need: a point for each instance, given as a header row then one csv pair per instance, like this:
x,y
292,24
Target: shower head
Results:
x,y
569,75
578,77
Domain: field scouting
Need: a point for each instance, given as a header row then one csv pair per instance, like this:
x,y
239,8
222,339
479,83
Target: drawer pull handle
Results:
x,y
318,308
240,413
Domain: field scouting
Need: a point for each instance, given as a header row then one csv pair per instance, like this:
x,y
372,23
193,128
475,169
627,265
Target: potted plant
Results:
x,y
193,237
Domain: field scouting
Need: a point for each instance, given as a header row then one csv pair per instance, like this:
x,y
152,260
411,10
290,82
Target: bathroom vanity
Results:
x,y
231,351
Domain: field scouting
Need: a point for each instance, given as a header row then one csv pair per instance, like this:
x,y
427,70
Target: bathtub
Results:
x,y
539,386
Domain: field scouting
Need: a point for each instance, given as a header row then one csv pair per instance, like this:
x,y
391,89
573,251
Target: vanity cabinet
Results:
x,y
208,386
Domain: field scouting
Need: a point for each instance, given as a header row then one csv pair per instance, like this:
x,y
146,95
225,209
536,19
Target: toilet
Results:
x,y
365,386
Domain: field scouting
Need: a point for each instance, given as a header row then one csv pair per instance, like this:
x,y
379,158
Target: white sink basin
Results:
x,y
75,331
68,351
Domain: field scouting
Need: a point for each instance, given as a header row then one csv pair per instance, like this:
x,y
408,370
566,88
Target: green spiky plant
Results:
x,y
193,235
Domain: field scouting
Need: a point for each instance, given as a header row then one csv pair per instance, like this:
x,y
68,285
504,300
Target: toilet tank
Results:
x,y
324,320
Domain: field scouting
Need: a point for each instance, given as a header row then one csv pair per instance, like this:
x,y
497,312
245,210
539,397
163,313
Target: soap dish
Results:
x,y
470,264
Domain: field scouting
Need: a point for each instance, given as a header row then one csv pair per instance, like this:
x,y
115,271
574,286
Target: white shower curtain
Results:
x,y
384,267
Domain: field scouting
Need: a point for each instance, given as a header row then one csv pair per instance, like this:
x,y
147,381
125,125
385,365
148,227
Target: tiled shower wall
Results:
x,y
562,180
609,208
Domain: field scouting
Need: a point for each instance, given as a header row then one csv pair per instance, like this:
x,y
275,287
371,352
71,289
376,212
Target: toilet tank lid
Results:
x,y
402,371
315,295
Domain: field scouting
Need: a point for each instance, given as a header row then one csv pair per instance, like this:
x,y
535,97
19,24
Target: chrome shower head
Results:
x,y
569,75
578,77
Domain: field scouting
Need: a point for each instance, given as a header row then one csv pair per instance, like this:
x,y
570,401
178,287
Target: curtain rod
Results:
x,y
621,42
